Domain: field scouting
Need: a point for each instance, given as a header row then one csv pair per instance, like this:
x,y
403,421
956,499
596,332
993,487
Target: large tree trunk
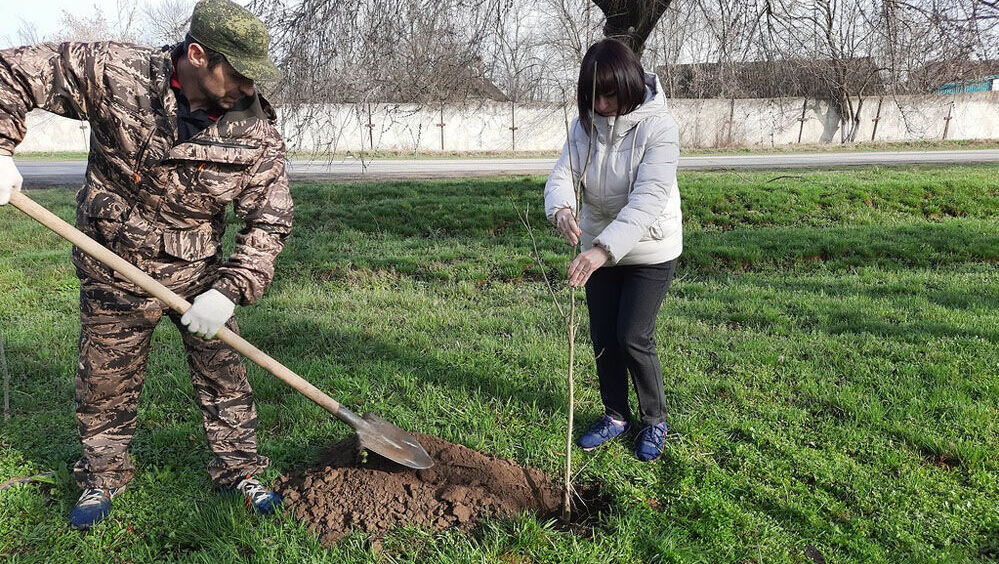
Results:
x,y
631,21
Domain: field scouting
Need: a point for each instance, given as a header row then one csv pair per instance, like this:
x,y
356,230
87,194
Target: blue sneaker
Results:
x,y
258,498
650,442
602,431
92,507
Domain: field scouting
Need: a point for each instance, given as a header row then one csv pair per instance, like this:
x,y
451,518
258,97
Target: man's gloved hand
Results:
x,y
208,314
10,179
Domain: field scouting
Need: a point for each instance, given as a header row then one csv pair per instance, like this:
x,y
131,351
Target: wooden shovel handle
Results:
x,y
176,303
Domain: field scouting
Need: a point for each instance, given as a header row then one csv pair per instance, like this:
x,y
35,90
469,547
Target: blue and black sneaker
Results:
x,y
602,431
650,442
92,507
258,498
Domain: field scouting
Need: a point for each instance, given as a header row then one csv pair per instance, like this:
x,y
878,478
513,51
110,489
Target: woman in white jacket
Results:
x,y
630,228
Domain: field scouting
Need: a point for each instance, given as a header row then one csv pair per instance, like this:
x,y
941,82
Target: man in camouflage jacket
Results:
x,y
178,134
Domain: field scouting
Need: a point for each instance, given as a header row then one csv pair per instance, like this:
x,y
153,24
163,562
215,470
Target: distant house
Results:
x,y
431,90
482,88
808,78
445,82
980,85
424,86
958,77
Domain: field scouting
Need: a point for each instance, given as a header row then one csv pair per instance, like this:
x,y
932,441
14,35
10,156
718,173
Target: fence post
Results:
x,y
947,119
441,125
731,120
371,129
86,134
773,122
513,125
877,118
801,120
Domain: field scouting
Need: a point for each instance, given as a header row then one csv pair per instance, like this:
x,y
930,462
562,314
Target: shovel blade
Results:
x,y
383,438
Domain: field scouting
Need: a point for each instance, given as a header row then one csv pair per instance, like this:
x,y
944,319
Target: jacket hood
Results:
x,y
654,104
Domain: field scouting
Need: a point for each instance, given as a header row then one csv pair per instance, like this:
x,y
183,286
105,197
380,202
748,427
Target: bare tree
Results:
x,y
571,26
831,44
166,21
28,34
124,25
519,64
682,35
394,50
392,53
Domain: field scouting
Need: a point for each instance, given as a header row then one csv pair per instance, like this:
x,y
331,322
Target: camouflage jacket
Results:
x,y
157,203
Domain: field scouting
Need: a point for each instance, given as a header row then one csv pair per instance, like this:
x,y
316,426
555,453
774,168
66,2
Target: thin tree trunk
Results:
x,y
567,494
6,381
571,332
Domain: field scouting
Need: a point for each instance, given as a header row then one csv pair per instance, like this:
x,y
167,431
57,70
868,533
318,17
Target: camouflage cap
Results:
x,y
230,29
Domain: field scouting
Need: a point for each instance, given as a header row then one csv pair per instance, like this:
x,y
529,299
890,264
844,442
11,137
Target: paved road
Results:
x,y
45,173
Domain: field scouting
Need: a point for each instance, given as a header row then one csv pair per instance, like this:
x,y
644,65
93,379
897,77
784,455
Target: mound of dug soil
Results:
x,y
347,494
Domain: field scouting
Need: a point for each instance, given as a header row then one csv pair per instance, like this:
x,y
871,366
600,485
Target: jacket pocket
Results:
x,y
104,214
215,169
657,231
191,245
233,152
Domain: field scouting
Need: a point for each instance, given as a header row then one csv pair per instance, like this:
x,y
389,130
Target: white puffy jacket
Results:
x,y
631,202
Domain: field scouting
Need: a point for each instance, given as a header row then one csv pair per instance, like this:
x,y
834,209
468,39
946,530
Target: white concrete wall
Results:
x,y
486,126
482,127
49,132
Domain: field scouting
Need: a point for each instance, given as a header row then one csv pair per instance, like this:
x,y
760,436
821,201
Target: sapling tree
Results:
x,y
568,313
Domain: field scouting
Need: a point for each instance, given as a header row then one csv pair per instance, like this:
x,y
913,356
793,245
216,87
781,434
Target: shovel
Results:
x,y
376,434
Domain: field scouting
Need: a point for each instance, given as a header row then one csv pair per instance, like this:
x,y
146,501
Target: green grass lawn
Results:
x,y
829,349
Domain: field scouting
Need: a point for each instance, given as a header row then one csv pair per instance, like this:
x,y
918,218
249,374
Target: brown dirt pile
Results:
x,y
346,494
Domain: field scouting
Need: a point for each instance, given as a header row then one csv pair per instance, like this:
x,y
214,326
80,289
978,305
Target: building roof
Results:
x,y
812,78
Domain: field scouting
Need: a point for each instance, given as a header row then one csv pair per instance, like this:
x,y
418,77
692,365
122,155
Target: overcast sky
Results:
x,y
45,15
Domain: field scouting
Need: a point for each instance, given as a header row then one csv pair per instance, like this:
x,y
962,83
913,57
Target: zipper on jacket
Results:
x,y
631,159
225,144
138,157
603,167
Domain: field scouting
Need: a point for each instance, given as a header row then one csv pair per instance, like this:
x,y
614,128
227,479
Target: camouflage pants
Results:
x,y
115,330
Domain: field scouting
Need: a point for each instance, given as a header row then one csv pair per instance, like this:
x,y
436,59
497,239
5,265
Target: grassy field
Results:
x,y
829,349
864,146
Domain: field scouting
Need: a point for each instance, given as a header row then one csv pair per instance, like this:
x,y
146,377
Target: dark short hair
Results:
x,y
214,57
618,71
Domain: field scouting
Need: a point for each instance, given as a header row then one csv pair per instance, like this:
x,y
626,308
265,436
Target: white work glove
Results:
x,y
208,314
10,179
